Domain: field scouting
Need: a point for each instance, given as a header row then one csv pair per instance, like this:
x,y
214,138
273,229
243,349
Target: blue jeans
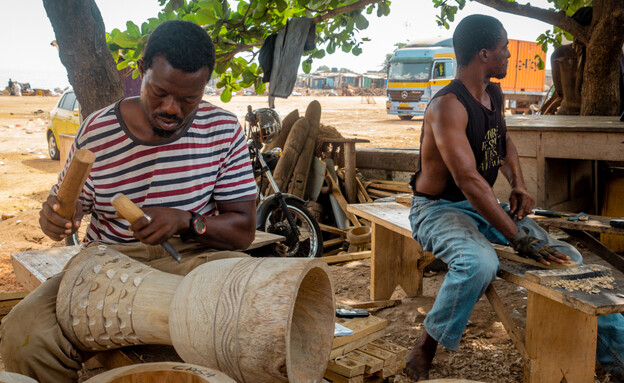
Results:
x,y
455,233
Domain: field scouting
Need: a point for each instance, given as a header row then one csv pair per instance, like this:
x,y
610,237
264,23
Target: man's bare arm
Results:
x,y
520,201
448,119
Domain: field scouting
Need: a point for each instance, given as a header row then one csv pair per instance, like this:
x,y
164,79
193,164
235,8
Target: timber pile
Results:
x,y
364,356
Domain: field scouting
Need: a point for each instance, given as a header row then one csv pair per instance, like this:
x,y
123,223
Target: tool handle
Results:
x,y
126,208
73,182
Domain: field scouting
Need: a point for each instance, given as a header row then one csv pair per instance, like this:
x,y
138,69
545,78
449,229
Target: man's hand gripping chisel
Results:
x,y
131,212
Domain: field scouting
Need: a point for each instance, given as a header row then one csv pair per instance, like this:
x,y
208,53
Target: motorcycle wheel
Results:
x,y
309,244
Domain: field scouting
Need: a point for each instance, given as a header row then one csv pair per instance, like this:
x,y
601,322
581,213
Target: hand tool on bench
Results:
x,y
73,182
131,212
556,214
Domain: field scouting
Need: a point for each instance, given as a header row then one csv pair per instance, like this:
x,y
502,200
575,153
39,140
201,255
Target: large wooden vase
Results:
x,y
161,372
255,319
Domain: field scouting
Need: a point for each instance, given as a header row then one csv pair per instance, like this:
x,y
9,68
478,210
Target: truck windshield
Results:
x,y
409,71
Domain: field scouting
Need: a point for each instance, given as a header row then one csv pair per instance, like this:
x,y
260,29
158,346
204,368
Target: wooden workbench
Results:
x,y
561,326
559,154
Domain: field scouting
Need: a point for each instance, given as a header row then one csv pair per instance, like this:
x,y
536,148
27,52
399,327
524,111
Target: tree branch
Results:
x,y
241,48
559,19
347,8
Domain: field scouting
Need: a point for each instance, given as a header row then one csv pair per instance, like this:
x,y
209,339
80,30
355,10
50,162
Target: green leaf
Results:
x,y
226,95
136,73
133,29
124,40
356,51
306,66
361,22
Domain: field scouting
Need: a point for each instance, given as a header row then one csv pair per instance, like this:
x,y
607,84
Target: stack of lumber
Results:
x,y
364,356
383,188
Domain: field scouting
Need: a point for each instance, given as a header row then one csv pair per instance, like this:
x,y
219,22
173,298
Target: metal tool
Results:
x,y
131,212
551,213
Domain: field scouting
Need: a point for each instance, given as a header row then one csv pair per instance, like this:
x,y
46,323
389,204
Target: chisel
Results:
x,y
131,212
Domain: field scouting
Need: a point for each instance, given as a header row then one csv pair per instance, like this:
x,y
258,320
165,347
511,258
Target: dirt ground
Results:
x,y
26,174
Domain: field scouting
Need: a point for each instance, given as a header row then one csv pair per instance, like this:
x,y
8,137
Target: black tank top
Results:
x,y
486,132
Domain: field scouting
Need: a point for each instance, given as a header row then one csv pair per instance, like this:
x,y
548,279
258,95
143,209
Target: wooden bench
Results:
x,y
561,326
34,267
580,230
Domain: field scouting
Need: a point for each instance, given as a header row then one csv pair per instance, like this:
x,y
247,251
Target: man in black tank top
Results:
x,y
454,213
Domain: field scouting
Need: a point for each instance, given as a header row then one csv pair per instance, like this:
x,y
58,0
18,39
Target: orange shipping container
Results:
x,y
523,76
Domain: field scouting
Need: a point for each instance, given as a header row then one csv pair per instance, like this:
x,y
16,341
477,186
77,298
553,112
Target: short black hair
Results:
x,y
185,45
473,33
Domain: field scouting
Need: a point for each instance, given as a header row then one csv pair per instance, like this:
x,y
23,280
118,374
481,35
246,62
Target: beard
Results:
x,y
166,133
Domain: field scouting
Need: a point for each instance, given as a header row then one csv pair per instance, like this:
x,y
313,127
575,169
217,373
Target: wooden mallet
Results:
x,y
73,182
131,212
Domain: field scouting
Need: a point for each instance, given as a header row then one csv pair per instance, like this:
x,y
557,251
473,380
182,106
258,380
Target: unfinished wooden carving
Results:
x,y
256,319
162,372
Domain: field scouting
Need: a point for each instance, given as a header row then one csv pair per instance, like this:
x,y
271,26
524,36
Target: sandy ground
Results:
x,y
26,174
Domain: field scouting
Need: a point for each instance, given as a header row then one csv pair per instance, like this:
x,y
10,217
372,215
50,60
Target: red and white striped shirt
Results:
x,y
207,163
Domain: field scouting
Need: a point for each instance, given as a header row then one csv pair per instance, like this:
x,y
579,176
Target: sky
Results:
x,y
26,33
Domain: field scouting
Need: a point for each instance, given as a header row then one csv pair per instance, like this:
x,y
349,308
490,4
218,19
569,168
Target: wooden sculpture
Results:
x,y
162,372
255,319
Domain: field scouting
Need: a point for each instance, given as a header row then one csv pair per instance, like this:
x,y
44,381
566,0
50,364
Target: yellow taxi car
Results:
x,y
64,119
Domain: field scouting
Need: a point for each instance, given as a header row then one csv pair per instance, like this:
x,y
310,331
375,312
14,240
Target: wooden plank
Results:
x,y
401,352
564,123
607,302
404,199
507,252
595,224
332,229
388,357
392,215
560,342
345,349
401,188
376,305
9,300
346,367
371,363
395,261
517,337
362,189
333,242
361,327
347,257
337,378
580,272
34,267
400,159
262,239
335,190
597,248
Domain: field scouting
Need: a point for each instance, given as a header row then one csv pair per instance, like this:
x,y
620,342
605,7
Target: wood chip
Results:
x,y
587,285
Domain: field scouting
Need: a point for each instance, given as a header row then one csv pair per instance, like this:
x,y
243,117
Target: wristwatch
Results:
x,y
197,227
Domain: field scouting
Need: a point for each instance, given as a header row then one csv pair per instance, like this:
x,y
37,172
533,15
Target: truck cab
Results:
x,y
415,74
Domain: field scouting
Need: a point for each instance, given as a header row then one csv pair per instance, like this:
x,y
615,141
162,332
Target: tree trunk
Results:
x,y
601,78
80,35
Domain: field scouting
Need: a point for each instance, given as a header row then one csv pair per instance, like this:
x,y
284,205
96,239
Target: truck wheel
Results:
x,y
406,118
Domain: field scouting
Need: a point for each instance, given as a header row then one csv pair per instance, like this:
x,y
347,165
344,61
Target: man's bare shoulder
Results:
x,y
446,110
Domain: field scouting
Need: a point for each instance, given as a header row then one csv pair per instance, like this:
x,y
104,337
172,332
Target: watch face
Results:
x,y
199,224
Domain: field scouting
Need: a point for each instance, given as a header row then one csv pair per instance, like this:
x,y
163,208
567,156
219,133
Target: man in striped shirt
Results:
x,y
184,161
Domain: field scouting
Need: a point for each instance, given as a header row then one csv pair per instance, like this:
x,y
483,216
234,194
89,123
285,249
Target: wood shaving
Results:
x,y
588,285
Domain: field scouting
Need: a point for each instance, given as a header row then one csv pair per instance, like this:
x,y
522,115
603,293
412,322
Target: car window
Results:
x,y
68,101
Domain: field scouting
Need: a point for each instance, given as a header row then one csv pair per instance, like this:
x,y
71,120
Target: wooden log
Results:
x,y
73,182
292,148
107,300
162,372
299,180
287,124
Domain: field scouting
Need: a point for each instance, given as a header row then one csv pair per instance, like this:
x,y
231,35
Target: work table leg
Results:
x,y
560,342
394,262
350,186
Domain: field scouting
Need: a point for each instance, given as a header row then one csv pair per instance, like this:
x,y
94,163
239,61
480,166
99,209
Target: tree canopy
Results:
x,y
239,28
